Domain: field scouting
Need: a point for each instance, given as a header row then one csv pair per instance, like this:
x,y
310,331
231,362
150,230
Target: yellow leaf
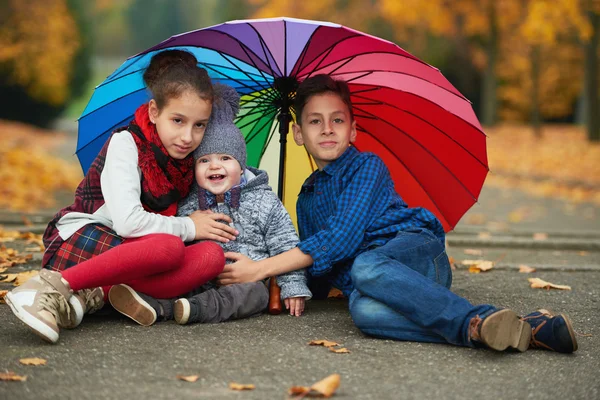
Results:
x,y
24,277
325,343
33,361
537,283
473,252
526,269
340,350
540,236
188,378
8,277
477,266
11,376
323,388
240,386
484,235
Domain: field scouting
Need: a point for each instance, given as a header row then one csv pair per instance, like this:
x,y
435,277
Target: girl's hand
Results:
x,y
209,227
295,305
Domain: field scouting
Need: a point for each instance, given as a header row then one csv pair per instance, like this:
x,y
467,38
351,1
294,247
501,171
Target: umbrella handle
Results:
x,y
274,297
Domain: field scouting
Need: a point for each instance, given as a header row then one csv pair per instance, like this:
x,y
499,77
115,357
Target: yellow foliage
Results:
x,y
37,42
561,164
29,174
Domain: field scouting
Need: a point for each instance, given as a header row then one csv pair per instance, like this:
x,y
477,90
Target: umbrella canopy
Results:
x,y
406,111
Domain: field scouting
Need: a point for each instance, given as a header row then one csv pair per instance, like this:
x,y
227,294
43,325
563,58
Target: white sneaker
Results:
x,y
42,303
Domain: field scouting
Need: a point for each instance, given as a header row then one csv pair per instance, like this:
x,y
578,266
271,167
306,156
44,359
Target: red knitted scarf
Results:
x,y
165,180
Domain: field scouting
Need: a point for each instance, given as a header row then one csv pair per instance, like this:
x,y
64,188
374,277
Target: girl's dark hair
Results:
x,y
172,72
320,84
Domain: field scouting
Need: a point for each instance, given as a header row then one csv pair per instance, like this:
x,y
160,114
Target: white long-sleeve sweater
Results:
x,y
122,211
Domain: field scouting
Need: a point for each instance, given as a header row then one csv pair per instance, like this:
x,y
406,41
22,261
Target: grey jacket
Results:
x,y
265,226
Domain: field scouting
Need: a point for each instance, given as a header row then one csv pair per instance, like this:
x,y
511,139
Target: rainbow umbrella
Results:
x,y
406,111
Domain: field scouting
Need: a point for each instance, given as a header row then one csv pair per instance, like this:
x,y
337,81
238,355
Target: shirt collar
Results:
x,y
330,169
333,167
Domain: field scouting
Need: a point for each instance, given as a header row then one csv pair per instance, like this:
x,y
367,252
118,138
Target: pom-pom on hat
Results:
x,y
222,136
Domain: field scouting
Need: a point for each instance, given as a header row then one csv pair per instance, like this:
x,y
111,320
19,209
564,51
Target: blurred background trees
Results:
x,y
531,61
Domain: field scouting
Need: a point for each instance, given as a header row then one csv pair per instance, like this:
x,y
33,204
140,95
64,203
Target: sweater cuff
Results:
x,y
295,289
190,229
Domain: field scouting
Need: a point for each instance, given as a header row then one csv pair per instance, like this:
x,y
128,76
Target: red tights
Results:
x,y
159,265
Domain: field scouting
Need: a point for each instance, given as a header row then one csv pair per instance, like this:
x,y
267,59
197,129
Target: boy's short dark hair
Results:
x,y
320,84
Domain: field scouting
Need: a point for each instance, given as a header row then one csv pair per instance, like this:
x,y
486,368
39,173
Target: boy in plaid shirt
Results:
x,y
359,236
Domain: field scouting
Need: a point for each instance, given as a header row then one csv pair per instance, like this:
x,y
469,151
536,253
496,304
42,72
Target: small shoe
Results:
x,y
42,303
551,332
84,301
501,330
140,307
181,311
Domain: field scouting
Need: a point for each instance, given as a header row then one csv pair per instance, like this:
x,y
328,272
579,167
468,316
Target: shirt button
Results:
x,y
324,248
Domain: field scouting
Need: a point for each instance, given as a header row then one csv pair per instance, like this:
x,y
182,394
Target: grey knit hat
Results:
x,y
222,136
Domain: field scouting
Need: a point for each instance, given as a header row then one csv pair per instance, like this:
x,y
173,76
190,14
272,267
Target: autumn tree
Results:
x,y
39,42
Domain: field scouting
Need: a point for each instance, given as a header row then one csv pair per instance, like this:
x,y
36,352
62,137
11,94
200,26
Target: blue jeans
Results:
x,y
402,291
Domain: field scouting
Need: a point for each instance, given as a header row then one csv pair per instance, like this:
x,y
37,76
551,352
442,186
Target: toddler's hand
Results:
x,y
295,305
209,227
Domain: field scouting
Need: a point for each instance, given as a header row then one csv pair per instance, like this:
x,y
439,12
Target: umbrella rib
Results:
x,y
260,114
427,100
257,110
265,48
269,138
115,100
424,148
108,130
252,135
235,80
227,56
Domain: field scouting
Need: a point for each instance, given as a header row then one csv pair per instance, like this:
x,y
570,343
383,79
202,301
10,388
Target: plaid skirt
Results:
x,y
87,242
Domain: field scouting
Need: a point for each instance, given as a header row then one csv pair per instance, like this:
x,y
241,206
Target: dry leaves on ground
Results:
x,y
11,376
537,165
326,343
473,252
540,236
341,350
19,278
335,294
323,388
537,283
29,174
526,269
2,294
33,361
11,257
477,266
188,378
241,386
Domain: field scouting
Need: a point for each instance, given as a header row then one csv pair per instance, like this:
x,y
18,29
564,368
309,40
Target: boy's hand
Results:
x,y
295,305
208,226
242,270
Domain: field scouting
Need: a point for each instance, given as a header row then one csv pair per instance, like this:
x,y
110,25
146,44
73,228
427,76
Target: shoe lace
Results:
x,y
56,304
93,298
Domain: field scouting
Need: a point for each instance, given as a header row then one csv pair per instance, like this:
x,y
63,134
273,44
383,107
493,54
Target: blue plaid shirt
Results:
x,y
347,208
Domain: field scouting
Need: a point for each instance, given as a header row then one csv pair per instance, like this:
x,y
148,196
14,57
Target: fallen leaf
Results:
x,y
11,376
2,294
8,278
323,388
24,277
473,252
484,235
452,263
326,343
537,283
477,266
240,386
33,249
33,361
26,221
335,293
526,269
583,253
188,378
540,236
340,350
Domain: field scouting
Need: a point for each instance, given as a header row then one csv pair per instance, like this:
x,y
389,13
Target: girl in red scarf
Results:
x,y
122,226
